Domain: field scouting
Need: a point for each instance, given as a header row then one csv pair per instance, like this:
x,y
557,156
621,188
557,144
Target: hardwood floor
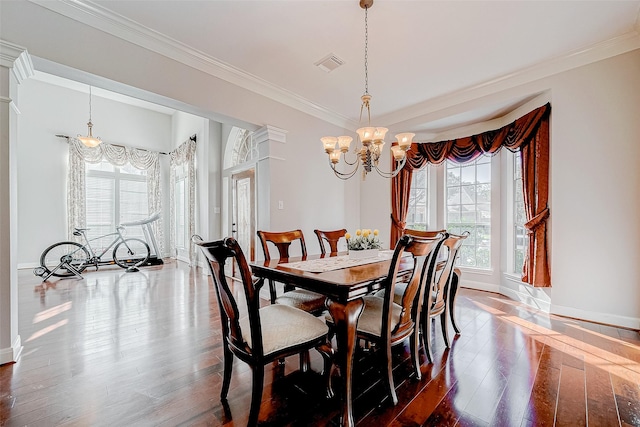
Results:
x,y
144,348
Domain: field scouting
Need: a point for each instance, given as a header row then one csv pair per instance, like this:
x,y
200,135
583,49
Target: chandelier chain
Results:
x,y
366,51
89,103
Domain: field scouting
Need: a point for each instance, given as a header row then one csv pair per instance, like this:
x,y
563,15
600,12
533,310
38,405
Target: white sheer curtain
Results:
x,y
117,155
184,154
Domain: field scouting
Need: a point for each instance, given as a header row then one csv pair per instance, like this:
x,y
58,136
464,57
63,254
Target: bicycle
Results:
x,y
66,259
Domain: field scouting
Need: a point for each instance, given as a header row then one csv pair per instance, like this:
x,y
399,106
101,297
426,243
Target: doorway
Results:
x,y
243,217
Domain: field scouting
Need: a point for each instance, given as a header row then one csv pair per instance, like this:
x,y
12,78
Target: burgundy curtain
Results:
x,y
528,134
400,186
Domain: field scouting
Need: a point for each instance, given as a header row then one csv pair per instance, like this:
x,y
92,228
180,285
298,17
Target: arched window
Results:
x,y
241,148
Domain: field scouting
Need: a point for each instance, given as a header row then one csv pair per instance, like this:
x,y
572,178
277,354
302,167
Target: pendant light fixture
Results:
x,y
90,140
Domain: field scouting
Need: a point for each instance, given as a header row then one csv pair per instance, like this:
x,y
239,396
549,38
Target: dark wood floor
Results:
x,y
144,348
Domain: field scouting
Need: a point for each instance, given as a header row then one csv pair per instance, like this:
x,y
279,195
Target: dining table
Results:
x,y
344,282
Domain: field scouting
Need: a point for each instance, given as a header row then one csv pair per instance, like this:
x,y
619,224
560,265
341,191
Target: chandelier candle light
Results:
x,y
90,140
371,137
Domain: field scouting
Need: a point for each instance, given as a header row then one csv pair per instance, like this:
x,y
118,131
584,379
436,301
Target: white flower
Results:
x,y
364,239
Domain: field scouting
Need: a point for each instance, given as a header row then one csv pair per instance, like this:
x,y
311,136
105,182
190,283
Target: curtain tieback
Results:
x,y
537,221
398,224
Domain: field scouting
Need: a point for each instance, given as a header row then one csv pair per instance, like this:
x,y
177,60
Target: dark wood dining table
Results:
x,y
344,289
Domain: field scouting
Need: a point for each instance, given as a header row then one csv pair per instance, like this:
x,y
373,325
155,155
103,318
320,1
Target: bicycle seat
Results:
x,y
78,231
152,218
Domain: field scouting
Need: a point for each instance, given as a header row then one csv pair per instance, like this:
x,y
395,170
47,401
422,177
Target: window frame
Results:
x,y
493,199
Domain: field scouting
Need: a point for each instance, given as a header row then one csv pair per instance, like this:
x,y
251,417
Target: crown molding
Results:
x,y
17,59
116,25
419,114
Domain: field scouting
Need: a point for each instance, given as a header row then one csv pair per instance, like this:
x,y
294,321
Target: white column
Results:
x,y
15,66
266,139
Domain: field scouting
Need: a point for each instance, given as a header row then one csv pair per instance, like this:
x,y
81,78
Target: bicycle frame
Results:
x,y
97,259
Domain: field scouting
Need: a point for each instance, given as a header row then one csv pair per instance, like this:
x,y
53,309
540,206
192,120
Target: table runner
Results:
x,y
322,265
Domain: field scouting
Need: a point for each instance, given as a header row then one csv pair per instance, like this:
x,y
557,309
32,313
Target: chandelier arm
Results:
x,y
394,173
342,175
344,157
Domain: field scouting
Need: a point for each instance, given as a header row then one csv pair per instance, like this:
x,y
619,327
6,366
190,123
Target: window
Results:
x,y
114,195
520,235
468,208
418,213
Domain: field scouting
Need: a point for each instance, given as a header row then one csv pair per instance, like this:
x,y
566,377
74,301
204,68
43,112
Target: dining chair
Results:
x,y
262,335
436,299
386,323
331,237
299,298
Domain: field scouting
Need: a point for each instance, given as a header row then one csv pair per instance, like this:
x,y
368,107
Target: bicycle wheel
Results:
x,y
131,253
76,255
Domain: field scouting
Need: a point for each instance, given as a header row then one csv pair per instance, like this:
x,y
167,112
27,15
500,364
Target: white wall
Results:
x,y
47,110
596,191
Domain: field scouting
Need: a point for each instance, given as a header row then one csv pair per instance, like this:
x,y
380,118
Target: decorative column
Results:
x,y
15,66
270,141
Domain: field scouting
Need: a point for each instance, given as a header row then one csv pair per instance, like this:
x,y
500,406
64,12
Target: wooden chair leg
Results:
x,y
415,350
305,361
228,366
272,291
256,394
445,330
386,363
452,299
426,333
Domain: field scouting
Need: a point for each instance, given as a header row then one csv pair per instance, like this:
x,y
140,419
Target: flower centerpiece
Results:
x,y
364,244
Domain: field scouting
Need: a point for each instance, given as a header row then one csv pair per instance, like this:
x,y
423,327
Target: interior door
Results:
x,y
243,225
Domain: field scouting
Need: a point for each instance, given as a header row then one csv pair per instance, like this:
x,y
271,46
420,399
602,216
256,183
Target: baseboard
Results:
x,y
538,298
11,354
605,318
479,286
533,297
28,265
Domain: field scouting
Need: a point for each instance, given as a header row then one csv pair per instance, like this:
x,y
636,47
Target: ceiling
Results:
x,y
421,53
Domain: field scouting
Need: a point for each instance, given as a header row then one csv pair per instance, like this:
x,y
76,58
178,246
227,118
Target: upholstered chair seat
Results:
x,y
370,321
303,299
284,327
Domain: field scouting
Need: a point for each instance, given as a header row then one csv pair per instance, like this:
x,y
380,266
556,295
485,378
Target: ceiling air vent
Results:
x,y
329,63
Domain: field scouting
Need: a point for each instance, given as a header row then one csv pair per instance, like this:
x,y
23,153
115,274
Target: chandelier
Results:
x,y
90,140
371,138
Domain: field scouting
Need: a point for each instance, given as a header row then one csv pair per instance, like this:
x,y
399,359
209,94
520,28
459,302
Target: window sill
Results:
x,y
473,270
